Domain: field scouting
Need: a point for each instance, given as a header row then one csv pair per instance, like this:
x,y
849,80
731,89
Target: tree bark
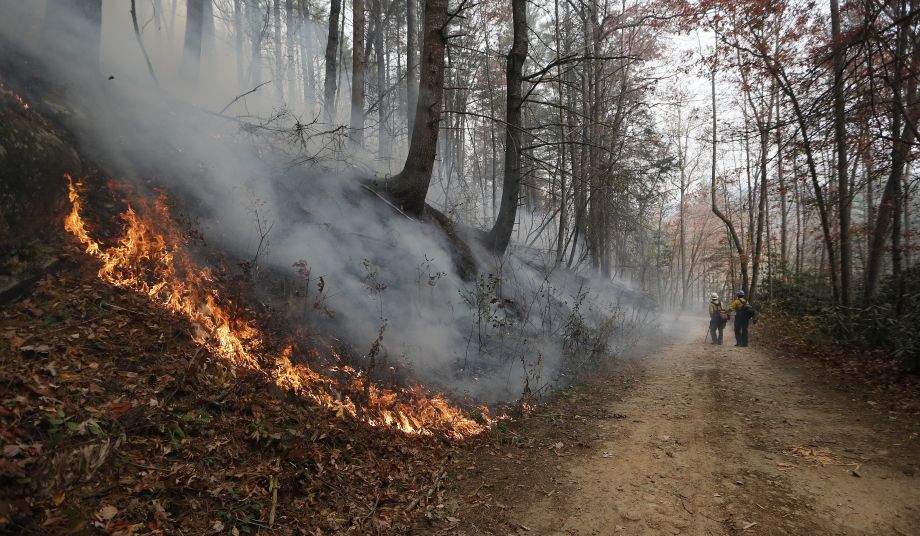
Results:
x,y
410,186
500,235
357,73
411,62
194,23
238,42
843,190
256,22
292,26
306,59
279,53
332,46
383,137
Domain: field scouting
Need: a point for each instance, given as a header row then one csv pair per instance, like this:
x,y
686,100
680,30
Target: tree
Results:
x,y
411,61
357,73
191,58
840,135
410,187
500,235
332,45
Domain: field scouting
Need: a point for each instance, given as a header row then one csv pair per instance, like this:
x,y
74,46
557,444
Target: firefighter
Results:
x,y
744,313
717,318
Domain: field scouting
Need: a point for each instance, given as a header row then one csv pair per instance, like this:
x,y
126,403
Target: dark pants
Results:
x,y
716,325
741,332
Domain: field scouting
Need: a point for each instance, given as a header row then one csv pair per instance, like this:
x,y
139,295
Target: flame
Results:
x,y
150,258
9,93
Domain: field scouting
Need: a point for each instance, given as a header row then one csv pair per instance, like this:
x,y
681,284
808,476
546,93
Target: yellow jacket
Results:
x,y
738,304
715,307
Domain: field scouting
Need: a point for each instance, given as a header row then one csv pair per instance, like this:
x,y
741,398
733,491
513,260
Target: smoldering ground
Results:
x,y
270,181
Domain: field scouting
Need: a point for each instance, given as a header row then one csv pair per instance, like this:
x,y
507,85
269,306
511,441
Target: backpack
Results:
x,y
746,312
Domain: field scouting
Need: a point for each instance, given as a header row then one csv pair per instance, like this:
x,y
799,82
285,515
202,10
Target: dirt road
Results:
x,y
726,440
713,440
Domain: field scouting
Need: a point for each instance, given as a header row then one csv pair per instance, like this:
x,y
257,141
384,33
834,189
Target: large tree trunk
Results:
x,y
357,74
500,235
840,132
194,23
411,62
410,186
332,46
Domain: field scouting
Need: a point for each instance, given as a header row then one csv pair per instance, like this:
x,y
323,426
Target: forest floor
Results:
x,y
701,440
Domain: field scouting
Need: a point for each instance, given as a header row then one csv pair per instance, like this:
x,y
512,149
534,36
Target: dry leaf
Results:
x,y
107,512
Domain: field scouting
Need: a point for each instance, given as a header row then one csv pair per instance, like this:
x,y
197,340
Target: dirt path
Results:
x,y
726,440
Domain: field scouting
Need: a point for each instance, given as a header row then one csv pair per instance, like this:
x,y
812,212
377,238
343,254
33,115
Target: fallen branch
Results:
x,y
238,97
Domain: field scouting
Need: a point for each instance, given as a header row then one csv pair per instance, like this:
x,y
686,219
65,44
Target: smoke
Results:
x,y
267,180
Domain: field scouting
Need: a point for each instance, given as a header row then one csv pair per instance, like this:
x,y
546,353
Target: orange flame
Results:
x,y
150,258
9,93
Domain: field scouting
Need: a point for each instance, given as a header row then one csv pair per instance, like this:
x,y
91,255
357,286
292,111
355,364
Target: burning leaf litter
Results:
x,y
150,258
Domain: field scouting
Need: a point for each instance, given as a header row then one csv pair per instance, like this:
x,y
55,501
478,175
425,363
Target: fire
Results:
x,y
9,93
150,258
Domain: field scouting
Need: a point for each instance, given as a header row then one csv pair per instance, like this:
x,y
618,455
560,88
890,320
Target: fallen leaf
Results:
x,y
58,498
107,512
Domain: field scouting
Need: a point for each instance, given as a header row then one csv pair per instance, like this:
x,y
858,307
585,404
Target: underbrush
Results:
x,y
889,323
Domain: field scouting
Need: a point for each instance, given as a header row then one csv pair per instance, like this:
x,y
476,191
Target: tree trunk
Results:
x,y
306,59
278,82
783,197
207,29
840,132
410,186
902,136
332,47
383,137
500,235
257,23
293,27
238,42
784,84
411,62
357,74
194,23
